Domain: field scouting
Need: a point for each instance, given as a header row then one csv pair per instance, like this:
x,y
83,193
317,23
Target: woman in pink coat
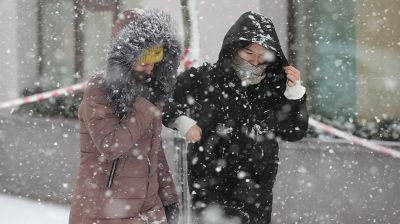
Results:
x,y
123,175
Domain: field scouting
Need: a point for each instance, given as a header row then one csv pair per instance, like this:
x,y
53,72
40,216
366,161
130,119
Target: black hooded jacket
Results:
x,y
212,95
240,125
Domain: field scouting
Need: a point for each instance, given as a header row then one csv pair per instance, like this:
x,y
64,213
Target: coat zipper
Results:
x,y
148,170
148,181
112,173
113,167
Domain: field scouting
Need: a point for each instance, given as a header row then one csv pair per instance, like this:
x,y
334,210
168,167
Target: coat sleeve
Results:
x,y
167,191
291,117
180,103
112,136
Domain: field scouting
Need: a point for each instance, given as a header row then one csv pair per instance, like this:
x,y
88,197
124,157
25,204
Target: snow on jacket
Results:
x,y
236,160
124,125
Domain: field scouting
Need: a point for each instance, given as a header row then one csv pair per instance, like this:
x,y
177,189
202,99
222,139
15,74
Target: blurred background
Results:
x,y
347,50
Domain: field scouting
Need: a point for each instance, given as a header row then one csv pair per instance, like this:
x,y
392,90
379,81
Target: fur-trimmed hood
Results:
x,y
141,30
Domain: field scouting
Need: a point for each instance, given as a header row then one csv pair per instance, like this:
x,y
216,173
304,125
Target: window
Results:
x,y
73,38
347,51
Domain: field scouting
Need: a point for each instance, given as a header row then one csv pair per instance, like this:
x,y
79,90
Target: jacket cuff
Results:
x,y
183,124
295,92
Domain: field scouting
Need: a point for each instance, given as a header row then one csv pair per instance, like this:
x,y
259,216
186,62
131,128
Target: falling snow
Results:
x,y
347,52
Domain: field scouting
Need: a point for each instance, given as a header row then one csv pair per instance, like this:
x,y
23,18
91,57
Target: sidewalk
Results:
x,y
17,210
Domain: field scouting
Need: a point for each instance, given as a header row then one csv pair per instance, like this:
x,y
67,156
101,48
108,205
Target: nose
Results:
x,y
148,69
254,61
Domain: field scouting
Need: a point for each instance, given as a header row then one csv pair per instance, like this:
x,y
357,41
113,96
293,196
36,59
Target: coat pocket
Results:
x,y
112,208
123,200
129,187
122,187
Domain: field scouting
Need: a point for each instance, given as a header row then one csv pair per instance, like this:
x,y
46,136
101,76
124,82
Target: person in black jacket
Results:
x,y
233,112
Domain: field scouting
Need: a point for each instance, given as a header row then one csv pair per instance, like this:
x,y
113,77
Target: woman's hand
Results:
x,y
193,134
292,74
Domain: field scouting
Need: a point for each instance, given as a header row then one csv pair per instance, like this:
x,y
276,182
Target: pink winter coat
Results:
x,y
142,184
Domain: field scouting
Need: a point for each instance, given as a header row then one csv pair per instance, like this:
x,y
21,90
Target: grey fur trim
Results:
x,y
149,27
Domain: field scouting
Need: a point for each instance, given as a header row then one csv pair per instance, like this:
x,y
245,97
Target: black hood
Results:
x,y
252,27
145,29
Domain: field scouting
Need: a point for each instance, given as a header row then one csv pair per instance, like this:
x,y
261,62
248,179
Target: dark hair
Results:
x,y
241,44
232,49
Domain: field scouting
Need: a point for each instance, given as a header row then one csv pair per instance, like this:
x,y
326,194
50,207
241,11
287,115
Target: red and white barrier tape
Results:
x,y
68,90
354,139
41,96
186,60
316,124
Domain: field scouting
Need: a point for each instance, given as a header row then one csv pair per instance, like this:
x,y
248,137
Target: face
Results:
x,y
143,71
254,54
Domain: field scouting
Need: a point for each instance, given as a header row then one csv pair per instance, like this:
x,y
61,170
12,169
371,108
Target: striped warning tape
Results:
x,y
354,139
41,96
316,124
186,59
68,90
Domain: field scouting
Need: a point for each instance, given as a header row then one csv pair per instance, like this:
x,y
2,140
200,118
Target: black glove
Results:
x,y
172,213
152,92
